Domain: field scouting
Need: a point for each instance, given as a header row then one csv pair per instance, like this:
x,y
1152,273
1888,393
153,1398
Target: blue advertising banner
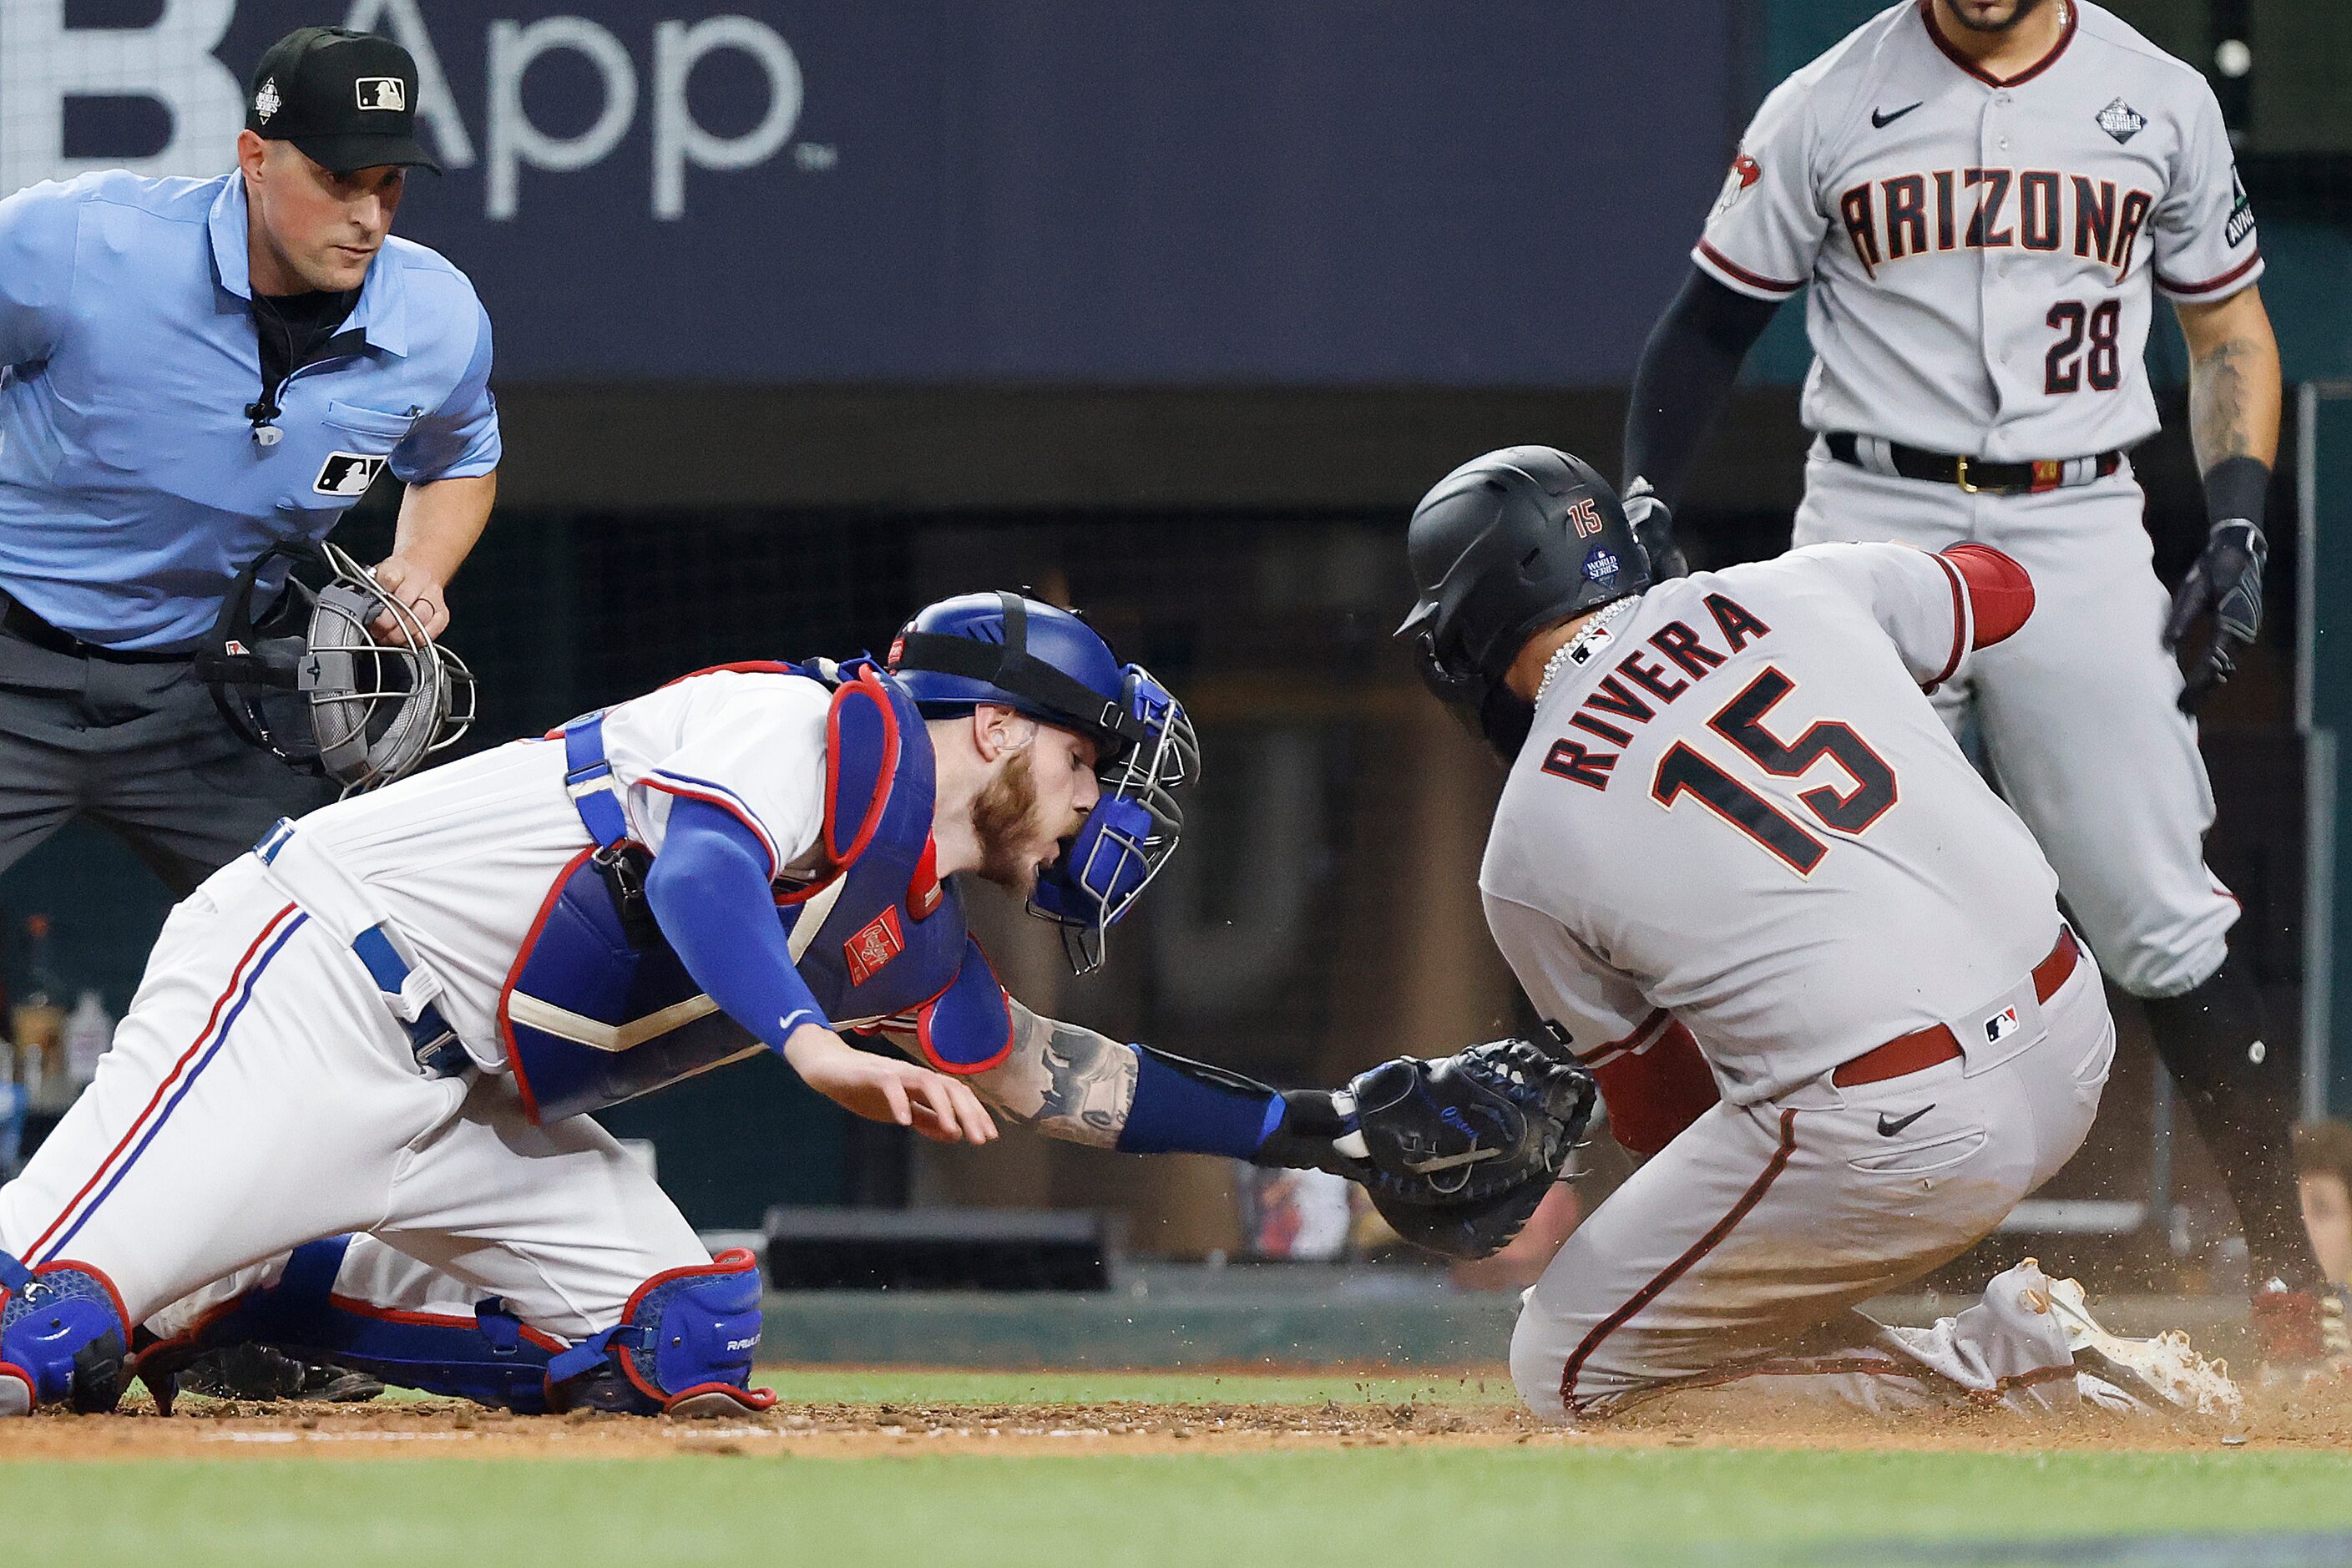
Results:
x,y
772,191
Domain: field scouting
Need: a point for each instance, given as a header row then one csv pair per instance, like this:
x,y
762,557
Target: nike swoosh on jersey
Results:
x,y
1879,121
1889,1128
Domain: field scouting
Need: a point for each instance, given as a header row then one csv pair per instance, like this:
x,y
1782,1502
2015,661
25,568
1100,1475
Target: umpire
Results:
x,y
190,371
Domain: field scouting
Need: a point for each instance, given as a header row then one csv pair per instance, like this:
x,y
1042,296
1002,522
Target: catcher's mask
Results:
x,y
1047,662
313,684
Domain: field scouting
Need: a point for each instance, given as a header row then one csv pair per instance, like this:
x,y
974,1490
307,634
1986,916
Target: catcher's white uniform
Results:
x,y
1736,814
262,1090
1981,255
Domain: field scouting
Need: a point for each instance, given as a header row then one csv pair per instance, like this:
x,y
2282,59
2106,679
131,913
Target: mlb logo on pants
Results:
x,y
2001,1026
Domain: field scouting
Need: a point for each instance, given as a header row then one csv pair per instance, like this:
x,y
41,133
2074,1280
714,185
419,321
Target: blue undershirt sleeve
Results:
x,y
1176,1113
709,894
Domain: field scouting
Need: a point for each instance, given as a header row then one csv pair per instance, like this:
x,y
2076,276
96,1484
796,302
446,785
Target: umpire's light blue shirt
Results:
x,y
132,490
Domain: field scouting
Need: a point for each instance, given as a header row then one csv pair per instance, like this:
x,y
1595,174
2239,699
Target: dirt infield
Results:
x,y
2307,1419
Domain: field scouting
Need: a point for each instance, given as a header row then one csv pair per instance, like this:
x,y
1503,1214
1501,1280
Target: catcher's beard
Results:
x,y
1004,818
2024,8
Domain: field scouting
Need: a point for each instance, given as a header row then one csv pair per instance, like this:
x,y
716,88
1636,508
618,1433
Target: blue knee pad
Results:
x,y
64,1338
490,1358
684,1345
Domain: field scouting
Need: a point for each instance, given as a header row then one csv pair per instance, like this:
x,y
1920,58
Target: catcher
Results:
x,y
1816,964
344,1118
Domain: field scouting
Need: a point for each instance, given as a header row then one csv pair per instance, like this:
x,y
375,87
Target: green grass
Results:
x,y
1367,1507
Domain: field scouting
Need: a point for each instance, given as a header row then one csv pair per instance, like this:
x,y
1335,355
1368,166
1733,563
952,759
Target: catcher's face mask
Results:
x,y
311,683
1133,828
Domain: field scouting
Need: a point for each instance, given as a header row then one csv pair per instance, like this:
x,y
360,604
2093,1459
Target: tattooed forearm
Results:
x,y
1066,1082
2234,397
2221,419
1089,1085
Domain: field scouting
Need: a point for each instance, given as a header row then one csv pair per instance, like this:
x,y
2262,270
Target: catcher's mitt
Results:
x,y
1456,1153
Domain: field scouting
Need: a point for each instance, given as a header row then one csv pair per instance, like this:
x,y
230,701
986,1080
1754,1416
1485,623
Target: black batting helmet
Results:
x,y
1503,547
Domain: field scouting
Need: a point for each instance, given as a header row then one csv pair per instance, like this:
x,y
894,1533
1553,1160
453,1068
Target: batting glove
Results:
x,y
2228,581
1653,524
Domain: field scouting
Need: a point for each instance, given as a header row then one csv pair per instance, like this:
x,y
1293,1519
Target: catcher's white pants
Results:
x,y
260,1095
2078,711
1740,1249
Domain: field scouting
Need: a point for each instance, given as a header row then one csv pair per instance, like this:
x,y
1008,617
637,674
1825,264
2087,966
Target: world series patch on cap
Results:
x,y
347,99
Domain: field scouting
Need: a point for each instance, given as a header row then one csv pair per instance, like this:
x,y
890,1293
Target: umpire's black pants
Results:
x,y
139,749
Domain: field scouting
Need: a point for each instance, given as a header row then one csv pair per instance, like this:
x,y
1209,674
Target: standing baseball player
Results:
x,y
391,1016
191,372
1732,818
1982,196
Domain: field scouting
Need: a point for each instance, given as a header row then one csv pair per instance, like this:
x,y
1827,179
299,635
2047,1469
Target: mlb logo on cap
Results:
x,y
384,92
2001,1026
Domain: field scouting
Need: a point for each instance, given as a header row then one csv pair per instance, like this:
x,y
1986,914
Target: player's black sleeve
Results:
x,y
1686,371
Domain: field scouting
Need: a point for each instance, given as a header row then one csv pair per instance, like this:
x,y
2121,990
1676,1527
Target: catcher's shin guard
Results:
x,y
683,1347
64,1337
490,1358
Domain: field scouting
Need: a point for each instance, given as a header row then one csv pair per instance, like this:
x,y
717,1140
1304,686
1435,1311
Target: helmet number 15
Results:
x,y
1685,771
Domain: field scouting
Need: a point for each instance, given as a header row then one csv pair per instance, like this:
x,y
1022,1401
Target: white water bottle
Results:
x,y
88,1033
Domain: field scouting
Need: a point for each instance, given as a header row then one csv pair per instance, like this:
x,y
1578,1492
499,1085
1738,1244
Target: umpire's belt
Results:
x,y
1924,1048
1881,456
25,626
334,899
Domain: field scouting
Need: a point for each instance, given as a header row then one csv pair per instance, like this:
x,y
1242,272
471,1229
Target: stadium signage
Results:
x,y
932,192
45,64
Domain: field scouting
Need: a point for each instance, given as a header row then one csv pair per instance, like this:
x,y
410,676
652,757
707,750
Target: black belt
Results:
x,y
21,623
1974,475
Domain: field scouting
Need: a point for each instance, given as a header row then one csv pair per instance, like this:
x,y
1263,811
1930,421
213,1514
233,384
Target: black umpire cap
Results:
x,y
347,99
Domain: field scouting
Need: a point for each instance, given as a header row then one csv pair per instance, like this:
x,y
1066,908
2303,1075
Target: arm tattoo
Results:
x,y
2221,420
1066,1082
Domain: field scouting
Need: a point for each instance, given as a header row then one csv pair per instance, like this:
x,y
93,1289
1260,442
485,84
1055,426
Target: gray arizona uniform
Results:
x,y
1981,255
1739,812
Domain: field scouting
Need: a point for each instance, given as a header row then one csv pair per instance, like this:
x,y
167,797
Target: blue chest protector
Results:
x,y
597,1008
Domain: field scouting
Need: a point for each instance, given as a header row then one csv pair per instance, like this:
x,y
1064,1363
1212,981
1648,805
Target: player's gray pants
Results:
x,y
1741,1249
2078,711
140,750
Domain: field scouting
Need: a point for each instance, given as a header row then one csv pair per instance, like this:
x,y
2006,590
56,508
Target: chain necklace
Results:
x,y
1572,650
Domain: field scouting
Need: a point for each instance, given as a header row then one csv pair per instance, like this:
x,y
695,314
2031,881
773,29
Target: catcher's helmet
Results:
x,y
1503,547
313,684
1047,662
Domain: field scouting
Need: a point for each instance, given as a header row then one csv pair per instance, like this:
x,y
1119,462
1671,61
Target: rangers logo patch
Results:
x,y
2121,121
1600,565
877,943
2001,1026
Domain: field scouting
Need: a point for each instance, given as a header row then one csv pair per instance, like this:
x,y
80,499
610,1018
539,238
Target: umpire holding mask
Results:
x,y
190,371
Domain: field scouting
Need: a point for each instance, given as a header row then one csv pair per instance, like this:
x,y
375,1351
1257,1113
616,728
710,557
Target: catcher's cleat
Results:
x,y
257,1372
2162,1374
2301,1330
